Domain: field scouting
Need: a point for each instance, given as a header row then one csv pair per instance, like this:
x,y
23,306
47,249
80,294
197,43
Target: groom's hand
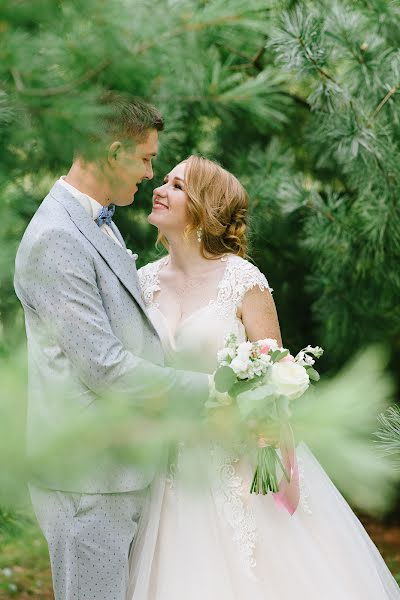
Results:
x,y
216,399
220,415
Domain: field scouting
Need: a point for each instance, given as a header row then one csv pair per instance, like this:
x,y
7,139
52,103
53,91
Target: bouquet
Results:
x,y
264,380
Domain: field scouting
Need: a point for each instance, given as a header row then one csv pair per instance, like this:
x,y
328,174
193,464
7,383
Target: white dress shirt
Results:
x,y
93,209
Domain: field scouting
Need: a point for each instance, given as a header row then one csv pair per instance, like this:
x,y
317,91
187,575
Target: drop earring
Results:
x,y
199,234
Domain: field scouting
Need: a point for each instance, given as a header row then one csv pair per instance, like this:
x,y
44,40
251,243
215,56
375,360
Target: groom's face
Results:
x,y
129,164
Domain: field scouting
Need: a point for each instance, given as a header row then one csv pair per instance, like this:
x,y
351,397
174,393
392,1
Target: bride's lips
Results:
x,y
157,205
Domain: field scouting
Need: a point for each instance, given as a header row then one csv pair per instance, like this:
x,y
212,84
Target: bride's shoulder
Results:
x,y
151,267
149,279
148,274
245,274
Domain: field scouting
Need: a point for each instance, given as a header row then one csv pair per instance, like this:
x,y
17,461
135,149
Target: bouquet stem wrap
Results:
x,y
287,493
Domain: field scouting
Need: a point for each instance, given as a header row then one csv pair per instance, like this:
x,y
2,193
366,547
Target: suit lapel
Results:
x,y
118,235
117,258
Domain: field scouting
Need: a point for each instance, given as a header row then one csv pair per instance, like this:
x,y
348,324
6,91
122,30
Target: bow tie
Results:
x,y
105,216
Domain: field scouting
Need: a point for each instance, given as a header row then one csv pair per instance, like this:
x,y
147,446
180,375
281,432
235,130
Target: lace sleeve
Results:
x,y
251,277
246,276
149,281
240,277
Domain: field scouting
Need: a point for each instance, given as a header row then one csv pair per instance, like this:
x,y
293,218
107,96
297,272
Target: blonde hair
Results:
x,y
218,204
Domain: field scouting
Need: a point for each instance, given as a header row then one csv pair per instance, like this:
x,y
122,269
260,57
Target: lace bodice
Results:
x,y
199,336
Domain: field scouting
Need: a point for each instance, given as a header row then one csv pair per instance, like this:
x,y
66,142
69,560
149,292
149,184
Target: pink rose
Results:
x,y
264,349
288,358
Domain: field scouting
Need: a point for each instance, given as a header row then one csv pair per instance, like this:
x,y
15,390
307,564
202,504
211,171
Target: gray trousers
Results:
x,y
89,538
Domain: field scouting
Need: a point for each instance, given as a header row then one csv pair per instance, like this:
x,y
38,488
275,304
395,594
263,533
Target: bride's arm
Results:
x,y
259,316
260,319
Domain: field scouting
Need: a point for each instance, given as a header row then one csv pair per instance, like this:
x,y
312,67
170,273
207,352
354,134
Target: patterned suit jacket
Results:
x,y
88,334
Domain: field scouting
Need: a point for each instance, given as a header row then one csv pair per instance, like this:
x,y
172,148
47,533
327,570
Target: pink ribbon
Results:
x,y
288,495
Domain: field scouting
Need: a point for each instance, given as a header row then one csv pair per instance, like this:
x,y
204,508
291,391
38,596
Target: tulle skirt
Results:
x,y
218,542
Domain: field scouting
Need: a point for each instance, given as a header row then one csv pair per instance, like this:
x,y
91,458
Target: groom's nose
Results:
x,y
149,172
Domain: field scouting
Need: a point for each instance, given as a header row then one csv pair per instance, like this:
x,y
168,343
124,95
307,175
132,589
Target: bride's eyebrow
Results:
x,y
166,178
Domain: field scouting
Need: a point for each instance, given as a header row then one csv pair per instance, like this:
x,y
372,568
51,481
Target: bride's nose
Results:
x,y
160,190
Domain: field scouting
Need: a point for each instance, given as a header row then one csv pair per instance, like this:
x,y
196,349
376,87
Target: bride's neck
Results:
x,y
185,256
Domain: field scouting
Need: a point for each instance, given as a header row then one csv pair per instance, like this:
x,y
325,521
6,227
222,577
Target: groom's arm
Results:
x,y
58,280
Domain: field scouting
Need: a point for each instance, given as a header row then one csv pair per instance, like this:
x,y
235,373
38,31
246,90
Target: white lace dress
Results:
x,y
221,543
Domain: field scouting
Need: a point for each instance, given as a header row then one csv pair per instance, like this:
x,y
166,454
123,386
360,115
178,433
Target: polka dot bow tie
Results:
x,y
106,215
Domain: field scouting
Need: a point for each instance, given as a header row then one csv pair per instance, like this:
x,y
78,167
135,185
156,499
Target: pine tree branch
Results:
x,y
312,60
241,67
253,62
59,90
235,51
185,28
257,58
323,211
198,98
358,57
298,99
382,103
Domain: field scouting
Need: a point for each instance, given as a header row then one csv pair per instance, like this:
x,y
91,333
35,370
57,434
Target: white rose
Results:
x,y
289,379
225,355
241,364
244,349
240,367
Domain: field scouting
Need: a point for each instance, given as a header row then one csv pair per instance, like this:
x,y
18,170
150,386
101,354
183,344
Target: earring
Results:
x,y
199,234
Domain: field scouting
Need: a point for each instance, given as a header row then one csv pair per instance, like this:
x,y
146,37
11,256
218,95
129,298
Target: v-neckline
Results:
x,y
172,336
182,322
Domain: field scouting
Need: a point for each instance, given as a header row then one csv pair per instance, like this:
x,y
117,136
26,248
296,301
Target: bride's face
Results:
x,y
170,201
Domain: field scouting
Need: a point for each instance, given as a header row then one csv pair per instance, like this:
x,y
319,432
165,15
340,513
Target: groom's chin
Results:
x,y
126,202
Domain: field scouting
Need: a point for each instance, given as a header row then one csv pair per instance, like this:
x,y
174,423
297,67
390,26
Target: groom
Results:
x,y
88,335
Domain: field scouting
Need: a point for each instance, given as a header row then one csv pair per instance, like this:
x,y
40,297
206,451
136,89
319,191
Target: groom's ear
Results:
x,y
113,151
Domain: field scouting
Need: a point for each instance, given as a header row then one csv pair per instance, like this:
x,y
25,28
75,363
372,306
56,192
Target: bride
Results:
x,y
223,543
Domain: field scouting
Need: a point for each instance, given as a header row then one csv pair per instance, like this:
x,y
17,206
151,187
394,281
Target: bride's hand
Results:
x,y
266,434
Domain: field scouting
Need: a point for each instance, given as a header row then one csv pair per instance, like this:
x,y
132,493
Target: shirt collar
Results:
x,y
91,206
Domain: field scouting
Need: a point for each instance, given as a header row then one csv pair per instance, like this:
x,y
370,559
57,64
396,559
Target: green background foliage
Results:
x,y
300,100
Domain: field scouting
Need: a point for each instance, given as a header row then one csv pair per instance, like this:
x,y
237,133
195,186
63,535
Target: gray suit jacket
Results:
x,y
88,334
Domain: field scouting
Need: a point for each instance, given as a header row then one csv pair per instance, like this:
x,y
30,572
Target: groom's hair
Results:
x,y
118,118
130,118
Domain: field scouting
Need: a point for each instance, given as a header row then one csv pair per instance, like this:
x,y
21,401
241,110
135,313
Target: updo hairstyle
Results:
x,y
218,205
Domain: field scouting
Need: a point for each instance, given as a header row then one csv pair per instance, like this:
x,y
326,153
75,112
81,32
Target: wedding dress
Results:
x,y
219,542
